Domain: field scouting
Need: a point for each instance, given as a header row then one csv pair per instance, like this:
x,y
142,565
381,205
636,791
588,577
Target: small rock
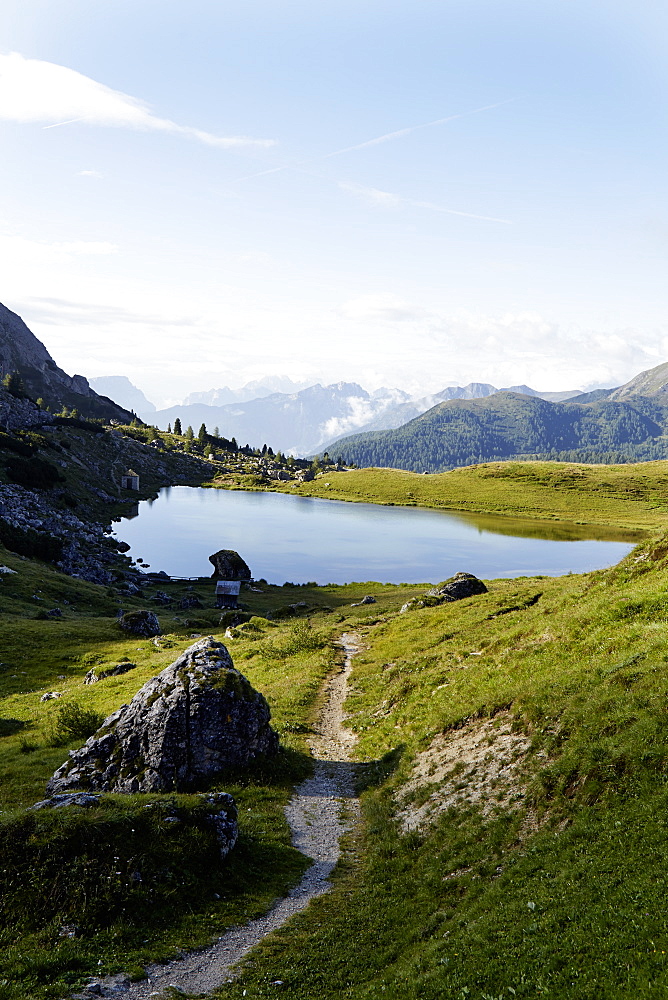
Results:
x,y
50,695
83,799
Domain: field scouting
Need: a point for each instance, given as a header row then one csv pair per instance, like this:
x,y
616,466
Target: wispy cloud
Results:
x,y
371,195
32,90
400,133
387,199
387,137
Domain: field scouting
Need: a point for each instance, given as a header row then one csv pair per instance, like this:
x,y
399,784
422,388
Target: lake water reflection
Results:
x,y
300,539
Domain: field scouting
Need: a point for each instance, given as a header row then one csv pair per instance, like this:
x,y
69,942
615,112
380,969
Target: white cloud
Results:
x,y
32,91
90,173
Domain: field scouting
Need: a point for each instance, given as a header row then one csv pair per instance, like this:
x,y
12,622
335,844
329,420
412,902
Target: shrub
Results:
x,y
74,722
35,473
31,543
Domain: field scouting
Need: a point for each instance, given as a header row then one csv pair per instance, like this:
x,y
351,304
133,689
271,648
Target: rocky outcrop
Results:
x,y
93,676
458,587
142,623
228,565
21,414
83,547
186,726
21,351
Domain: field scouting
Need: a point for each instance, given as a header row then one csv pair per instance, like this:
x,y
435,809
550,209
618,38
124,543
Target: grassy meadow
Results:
x,y
541,877
620,496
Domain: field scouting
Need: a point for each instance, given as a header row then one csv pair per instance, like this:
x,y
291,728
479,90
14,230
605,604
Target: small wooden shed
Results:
x,y
130,480
227,592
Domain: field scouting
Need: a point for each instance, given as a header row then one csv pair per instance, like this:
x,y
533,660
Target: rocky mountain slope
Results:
x,y
22,352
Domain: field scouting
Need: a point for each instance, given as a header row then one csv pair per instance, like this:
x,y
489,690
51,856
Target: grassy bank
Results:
x,y
619,496
543,879
512,758
114,887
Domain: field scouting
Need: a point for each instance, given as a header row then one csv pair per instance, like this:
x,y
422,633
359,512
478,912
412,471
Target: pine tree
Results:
x,y
13,383
177,426
202,435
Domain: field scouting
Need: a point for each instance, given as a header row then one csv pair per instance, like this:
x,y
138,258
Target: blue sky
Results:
x,y
391,193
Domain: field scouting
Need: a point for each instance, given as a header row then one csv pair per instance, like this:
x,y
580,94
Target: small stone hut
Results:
x,y
130,480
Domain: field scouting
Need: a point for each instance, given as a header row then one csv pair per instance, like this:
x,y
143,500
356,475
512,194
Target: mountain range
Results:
x,y
626,424
454,427
299,422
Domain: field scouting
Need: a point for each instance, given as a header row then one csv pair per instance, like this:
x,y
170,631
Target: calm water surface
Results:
x,y
328,541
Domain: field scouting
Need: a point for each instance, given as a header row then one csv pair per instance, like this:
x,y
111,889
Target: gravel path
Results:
x,y
321,810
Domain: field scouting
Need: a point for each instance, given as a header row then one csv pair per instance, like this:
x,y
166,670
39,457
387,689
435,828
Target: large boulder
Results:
x,y
194,720
228,565
459,586
144,624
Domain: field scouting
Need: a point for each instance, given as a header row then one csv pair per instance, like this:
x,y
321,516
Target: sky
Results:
x,y
409,194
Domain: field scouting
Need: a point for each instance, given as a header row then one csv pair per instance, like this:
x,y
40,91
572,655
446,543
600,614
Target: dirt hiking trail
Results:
x,y
322,809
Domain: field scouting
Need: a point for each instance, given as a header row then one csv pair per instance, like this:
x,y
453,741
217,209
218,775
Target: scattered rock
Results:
x,y
6,569
92,677
54,613
368,599
228,565
68,931
478,765
142,623
83,799
224,820
190,602
160,597
50,695
184,727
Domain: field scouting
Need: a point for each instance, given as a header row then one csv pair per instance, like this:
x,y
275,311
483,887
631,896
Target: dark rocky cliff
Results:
x,y
22,352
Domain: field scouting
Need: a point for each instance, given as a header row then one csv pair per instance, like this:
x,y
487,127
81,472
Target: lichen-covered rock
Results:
x,y
228,565
224,820
459,586
92,677
141,623
194,720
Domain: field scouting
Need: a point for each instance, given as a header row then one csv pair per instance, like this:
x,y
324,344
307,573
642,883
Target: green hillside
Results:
x,y
512,754
507,425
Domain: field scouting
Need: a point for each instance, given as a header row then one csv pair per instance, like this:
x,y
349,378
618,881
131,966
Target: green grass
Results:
x,y
561,897
619,496
75,866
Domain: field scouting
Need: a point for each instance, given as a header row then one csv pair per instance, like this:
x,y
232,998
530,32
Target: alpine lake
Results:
x,y
299,539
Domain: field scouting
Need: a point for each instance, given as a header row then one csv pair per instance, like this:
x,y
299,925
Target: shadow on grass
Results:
x,y
8,727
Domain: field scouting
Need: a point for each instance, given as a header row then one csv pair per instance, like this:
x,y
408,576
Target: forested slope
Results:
x,y
510,425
